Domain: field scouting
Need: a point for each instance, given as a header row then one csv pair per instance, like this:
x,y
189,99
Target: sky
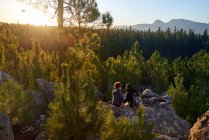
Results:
x,y
124,12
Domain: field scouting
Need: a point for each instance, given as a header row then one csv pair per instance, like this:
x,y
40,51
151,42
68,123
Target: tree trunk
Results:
x,y
60,14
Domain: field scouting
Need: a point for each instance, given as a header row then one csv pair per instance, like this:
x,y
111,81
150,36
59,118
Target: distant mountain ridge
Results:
x,y
198,27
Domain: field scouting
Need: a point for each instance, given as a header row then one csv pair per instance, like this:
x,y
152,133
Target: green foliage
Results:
x,y
198,103
90,41
74,114
188,104
15,103
37,63
107,20
123,128
129,68
179,96
84,14
169,44
158,72
85,60
26,65
132,68
8,50
70,115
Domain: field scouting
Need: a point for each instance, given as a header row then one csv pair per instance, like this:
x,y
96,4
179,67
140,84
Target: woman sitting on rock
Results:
x,y
117,98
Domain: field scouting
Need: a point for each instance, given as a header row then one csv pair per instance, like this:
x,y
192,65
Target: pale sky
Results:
x,y
124,12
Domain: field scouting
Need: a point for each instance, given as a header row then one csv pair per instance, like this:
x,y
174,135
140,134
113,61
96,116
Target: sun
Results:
x,y
12,11
35,17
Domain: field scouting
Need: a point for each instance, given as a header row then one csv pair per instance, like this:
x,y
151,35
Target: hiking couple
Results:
x,y
118,97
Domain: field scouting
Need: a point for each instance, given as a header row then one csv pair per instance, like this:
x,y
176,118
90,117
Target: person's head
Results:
x,y
128,86
117,85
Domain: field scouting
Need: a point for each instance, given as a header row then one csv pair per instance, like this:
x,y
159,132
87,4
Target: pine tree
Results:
x,y
158,70
179,96
74,114
15,103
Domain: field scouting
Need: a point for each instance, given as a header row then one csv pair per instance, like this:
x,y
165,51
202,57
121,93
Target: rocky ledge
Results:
x,y
158,110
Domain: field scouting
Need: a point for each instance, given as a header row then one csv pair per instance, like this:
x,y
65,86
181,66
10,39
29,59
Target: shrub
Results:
x,y
14,102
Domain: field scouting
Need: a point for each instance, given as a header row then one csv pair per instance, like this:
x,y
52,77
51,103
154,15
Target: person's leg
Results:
x,y
131,104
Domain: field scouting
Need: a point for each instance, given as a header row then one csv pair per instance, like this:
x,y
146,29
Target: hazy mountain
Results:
x,y
178,23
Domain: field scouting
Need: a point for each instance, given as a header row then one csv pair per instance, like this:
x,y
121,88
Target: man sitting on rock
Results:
x,y
130,91
117,98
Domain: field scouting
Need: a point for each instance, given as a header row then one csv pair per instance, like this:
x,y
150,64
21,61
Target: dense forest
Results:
x,y
81,61
113,42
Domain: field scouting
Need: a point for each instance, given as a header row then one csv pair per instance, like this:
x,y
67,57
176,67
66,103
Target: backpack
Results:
x,y
136,99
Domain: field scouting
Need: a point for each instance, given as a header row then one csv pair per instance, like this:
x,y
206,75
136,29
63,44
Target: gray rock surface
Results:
x,y
167,122
160,101
164,137
158,110
37,128
147,93
40,103
41,136
4,77
47,88
6,132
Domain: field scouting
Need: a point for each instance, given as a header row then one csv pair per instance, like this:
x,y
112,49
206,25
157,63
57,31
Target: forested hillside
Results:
x,y
170,44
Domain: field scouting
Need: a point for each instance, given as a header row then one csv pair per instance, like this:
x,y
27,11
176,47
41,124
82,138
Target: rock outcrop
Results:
x,y
147,93
33,131
151,99
164,137
6,132
43,96
39,102
167,122
4,77
200,130
47,88
158,110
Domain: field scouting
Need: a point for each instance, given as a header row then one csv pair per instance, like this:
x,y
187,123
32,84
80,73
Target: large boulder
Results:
x,y
47,88
167,122
6,132
39,102
200,130
125,111
4,77
158,110
147,93
149,98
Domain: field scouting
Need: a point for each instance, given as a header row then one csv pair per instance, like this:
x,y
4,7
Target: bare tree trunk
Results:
x,y
60,14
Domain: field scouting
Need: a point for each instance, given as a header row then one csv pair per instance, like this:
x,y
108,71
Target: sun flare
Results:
x,y
35,17
18,12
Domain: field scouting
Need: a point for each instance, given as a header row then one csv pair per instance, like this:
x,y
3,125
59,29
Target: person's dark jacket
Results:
x,y
117,97
129,97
